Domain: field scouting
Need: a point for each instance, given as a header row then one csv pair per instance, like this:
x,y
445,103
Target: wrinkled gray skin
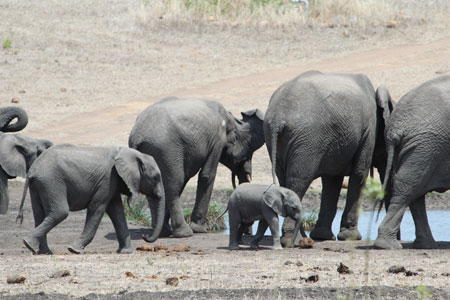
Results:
x,y
17,153
8,114
418,141
187,136
69,178
252,202
327,125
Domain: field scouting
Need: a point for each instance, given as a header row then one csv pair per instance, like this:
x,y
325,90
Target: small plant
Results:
x,y
373,189
136,212
309,219
7,43
423,292
212,224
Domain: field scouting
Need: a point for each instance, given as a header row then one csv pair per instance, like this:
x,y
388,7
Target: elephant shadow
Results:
x,y
135,234
409,246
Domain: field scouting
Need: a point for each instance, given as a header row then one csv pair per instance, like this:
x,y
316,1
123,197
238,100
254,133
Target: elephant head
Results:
x,y
17,154
285,202
8,114
385,105
243,138
141,174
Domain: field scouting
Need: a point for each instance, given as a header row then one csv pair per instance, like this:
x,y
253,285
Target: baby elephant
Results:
x,y
70,178
251,202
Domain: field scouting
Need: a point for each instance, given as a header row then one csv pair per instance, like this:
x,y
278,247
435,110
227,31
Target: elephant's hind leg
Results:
x,y
349,222
262,227
424,237
117,216
331,187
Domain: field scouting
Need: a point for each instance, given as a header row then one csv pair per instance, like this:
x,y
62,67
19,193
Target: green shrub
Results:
x,y
214,211
7,43
309,219
136,212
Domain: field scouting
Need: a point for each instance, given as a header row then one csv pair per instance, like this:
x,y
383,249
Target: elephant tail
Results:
x,y
25,188
221,215
390,158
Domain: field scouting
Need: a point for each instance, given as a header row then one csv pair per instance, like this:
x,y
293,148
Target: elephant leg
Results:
x,y
205,185
244,228
4,196
271,219
234,219
331,187
94,215
349,222
45,218
262,227
424,237
117,216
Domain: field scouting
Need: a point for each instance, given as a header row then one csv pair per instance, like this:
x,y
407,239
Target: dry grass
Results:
x,y
348,13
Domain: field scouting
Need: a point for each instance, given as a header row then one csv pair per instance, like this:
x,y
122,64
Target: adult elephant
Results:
x,y
329,126
17,154
8,114
186,136
418,142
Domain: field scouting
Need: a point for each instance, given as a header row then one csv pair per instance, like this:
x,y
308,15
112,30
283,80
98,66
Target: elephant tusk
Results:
x,y
249,177
233,180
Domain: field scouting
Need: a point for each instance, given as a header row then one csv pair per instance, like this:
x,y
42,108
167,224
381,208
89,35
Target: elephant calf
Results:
x,y
69,178
251,202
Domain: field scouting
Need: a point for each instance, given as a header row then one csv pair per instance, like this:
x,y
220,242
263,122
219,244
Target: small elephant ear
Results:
x,y
253,112
274,199
128,167
384,101
12,156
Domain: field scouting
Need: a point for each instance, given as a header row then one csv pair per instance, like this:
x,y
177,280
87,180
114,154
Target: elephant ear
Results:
x,y
128,167
12,156
275,200
384,101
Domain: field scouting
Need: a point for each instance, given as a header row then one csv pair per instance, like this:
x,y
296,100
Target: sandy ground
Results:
x,y
83,71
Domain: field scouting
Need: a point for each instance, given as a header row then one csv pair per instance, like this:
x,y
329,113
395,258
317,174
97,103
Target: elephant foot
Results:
x,y
76,250
386,243
32,244
125,250
351,234
286,239
322,234
198,228
425,244
166,231
233,247
183,231
276,247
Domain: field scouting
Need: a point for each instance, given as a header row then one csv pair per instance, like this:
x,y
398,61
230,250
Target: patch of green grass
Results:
x,y
214,211
136,212
7,43
309,219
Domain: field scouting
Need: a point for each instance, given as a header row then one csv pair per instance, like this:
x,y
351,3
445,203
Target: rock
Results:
x,y
130,274
299,264
306,243
60,273
330,24
161,247
145,248
184,277
345,34
15,100
343,269
212,19
22,92
411,273
12,279
181,248
396,269
288,262
391,24
173,281
63,90
312,278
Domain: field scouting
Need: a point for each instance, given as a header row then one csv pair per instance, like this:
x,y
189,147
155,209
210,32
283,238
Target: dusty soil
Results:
x,y
83,70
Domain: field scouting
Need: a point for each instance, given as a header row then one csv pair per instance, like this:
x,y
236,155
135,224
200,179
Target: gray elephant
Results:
x,y
252,202
69,178
187,136
8,114
418,141
330,126
17,154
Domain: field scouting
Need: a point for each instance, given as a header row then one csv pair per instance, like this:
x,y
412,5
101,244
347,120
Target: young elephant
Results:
x,y
69,178
251,202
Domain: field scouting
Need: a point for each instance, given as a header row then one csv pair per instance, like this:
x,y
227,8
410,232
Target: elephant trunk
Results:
x,y
298,226
7,114
160,202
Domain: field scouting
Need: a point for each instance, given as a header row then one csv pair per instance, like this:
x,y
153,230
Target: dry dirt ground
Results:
x,y
83,70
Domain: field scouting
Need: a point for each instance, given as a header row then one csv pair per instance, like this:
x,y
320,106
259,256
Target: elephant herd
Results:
x,y
316,125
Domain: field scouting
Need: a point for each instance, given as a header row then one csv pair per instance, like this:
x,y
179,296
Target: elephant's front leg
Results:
x,y
271,219
4,197
424,237
262,227
205,185
117,216
95,212
349,222
331,187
